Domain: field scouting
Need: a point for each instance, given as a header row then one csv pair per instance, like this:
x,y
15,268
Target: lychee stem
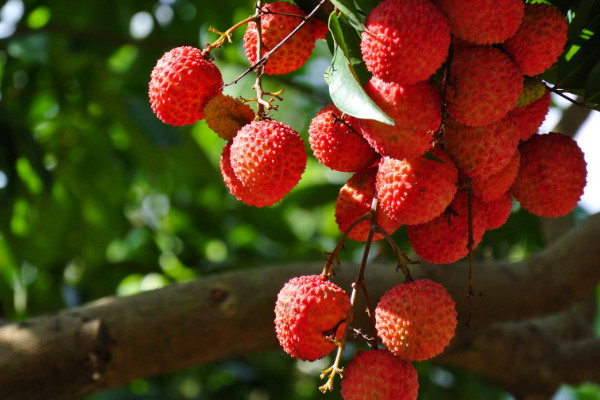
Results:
x,y
225,35
334,255
403,260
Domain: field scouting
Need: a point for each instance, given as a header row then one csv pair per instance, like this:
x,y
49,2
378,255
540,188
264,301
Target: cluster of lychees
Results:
x,y
459,79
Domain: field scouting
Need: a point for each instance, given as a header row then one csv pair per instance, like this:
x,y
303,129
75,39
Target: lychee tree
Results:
x,y
426,152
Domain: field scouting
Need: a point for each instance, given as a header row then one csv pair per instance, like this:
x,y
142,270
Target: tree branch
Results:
x,y
113,341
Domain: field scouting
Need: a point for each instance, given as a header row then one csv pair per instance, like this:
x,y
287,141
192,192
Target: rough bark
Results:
x,y
113,341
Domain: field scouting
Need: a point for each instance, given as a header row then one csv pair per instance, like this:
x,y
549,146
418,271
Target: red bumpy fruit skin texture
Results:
x,y
336,143
226,115
416,190
275,27
481,151
494,186
416,320
444,239
267,157
417,114
410,40
181,84
354,201
482,21
552,175
484,84
308,309
378,374
528,118
497,211
539,40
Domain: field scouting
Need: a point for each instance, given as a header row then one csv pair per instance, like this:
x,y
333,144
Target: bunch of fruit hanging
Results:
x,y
443,136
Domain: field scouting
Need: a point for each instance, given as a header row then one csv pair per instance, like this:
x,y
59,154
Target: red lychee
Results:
x,y
336,143
540,39
529,117
484,84
406,41
280,18
416,320
310,310
552,175
181,84
494,186
482,21
444,239
417,114
268,157
481,151
226,115
355,200
416,190
378,374
497,211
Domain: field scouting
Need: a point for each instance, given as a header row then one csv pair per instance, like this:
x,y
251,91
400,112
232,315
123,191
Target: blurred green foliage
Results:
x,y
99,198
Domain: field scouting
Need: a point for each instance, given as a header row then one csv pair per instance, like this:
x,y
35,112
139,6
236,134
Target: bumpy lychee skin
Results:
x,y
484,84
482,21
416,190
494,186
268,157
533,89
226,115
275,27
530,117
237,188
406,41
417,114
181,84
444,239
309,309
337,144
481,151
378,374
497,211
552,175
354,201
540,39
416,320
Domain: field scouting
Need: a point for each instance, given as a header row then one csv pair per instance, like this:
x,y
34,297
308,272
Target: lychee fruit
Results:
x,y
279,19
310,314
336,143
268,157
483,85
482,21
444,239
354,201
529,117
552,175
406,41
378,374
181,84
416,190
540,39
497,211
416,320
226,115
481,151
417,114
494,186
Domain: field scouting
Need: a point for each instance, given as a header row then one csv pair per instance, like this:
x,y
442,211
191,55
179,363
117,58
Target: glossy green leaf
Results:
x,y
592,87
348,95
582,15
348,8
349,41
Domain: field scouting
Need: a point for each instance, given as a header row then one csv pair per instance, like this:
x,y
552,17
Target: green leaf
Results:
x,y
348,8
349,41
574,68
347,93
580,20
367,5
430,156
